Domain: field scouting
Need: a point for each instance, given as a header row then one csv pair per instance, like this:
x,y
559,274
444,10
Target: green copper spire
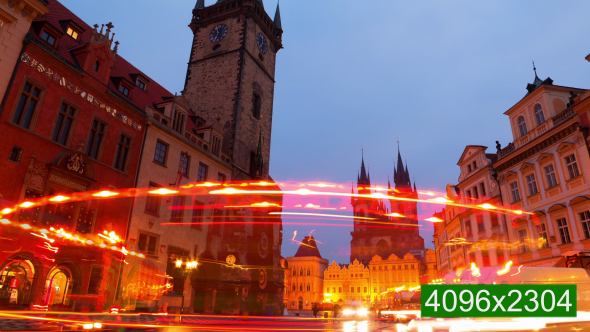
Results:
x,y
277,20
200,4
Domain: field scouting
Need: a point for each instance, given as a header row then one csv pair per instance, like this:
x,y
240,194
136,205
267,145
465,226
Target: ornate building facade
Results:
x,y
67,127
346,283
306,276
400,236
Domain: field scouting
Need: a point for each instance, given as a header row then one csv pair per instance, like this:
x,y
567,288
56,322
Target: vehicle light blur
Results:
x,y
362,312
348,312
97,325
87,326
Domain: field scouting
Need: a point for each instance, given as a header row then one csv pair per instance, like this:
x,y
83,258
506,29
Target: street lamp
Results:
x,y
189,267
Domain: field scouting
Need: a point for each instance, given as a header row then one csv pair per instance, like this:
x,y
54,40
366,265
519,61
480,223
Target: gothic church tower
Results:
x,y
231,75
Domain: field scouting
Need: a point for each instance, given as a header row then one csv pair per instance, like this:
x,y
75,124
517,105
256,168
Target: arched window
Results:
x,y
301,272
328,290
96,65
333,289
294,287
539,114
308,287
308,272
522,126
301,287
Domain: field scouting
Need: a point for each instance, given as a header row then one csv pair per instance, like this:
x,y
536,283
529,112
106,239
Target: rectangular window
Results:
x,y
48,38
339,289
468,193
514,191
95,280
352,289
483,189
124,90
543,241
220,177
467,224
152,202
197,217
585,219
161,152
480,225
475,193
572,166
469,168
564,232
72,33
97,133
365,289
358,289
176,210
27,105
257,105
183,163
551,179
202,176
122,156
140,84
494,218
147,243
63,125
532,184
15,154
522,241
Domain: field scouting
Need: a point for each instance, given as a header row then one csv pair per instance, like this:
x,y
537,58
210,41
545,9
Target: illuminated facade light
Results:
x,y
178,263
506,269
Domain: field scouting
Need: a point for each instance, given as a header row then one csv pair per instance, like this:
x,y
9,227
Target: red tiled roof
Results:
x,y
58,12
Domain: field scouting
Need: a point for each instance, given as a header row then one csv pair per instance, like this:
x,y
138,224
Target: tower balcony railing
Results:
x,y
553,122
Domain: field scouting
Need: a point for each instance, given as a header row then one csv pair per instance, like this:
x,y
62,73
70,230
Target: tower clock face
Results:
x,y
261,41
218,33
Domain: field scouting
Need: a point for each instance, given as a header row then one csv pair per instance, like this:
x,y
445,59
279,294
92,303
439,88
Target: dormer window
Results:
x,y
124,90
140,84
96,66
522,126
73,33
49,38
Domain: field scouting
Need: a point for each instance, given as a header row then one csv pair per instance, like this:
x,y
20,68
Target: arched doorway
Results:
x,y
58,287
16,279
300,306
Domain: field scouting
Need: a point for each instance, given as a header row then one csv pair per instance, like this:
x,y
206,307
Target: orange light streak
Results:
x,y
43,236
319,215
26,226
163,191
506,269
5,221
475,270
434,219
59,198
7,211
49,247
105,194
27,205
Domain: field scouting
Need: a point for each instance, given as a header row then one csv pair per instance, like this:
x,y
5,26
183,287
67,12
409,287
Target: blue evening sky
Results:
x,y
437,74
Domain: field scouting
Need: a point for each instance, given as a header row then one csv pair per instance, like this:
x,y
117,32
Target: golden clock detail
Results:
x,y
230,259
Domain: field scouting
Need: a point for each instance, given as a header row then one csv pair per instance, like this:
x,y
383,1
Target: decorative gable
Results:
x,y
96,56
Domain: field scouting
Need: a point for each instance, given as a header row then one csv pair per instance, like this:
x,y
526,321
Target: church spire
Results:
x,y
277,19
200,4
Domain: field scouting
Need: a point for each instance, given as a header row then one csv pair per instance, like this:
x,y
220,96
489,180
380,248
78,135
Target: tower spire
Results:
x,y
277,19
200,4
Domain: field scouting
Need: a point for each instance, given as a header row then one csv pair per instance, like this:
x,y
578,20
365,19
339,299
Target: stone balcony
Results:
x,y
538,131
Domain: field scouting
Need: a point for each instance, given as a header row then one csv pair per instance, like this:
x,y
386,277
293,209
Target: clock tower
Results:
x,y
231,75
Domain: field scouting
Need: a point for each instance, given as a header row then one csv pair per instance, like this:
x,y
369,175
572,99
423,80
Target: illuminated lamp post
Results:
x,y
189,267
